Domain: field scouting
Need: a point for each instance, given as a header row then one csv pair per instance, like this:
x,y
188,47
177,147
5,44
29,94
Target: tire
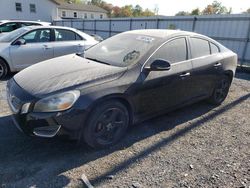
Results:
x,y
106,125
220,91
3,69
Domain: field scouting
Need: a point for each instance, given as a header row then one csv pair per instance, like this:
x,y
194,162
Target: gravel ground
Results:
x,y
197,146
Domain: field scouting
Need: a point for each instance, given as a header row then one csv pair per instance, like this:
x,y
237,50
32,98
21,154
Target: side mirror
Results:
x,y
19,42
159,65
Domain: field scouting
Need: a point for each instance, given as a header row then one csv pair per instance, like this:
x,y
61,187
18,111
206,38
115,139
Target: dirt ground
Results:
x,y
197,146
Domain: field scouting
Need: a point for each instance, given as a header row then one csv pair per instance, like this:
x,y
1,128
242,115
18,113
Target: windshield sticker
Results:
x,y
145,39
131,56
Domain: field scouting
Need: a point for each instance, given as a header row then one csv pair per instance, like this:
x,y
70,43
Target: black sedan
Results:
x,y
125,79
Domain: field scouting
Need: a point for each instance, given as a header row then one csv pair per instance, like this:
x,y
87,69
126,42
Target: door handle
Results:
x,y
217,64
80,45
46,47
185,74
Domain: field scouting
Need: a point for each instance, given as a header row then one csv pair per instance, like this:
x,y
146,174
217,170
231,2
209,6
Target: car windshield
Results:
x,y
121,50
13,35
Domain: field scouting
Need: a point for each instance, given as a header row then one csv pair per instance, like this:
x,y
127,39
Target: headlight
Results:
x,y
57,103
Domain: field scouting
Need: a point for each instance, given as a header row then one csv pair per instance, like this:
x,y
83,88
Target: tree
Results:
x,y
195,12
96,2
147,13
247,11
216,8
137,11
127,11
116,11
182,13
108,7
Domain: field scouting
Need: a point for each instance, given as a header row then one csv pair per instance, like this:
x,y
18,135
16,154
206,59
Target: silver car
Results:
x,y
7,26
29,45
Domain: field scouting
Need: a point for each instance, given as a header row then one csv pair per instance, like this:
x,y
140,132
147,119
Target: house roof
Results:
x,y
54,1
79,7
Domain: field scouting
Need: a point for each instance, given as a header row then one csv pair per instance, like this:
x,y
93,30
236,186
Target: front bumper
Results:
x,y
49,125
68,122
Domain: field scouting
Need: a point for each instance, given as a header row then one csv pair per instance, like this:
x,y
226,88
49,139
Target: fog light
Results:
x,y
25,108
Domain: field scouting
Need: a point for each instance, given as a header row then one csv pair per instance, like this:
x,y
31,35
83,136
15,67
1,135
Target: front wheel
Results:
x,y
3,69
106,125
221,90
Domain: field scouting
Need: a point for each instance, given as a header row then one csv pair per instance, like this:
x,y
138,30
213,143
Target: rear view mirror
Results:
x,y
159,65
19,42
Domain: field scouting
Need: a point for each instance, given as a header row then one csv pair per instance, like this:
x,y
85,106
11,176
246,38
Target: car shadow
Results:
x,y
9,76
243,75
27,161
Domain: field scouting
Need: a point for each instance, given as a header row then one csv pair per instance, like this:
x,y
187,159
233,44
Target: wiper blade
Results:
x,y
92,59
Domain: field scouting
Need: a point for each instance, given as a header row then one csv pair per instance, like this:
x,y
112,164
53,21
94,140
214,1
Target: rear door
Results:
x,y
38,48
166,89
207,66
67,42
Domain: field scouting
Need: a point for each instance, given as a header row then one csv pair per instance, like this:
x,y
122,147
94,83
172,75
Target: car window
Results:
x,y
199,47
8,27
24,24
41,35
66,35
214,48
9,37
173,51
122,50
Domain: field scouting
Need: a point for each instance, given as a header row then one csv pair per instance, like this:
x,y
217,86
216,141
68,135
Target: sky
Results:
x,y
171,7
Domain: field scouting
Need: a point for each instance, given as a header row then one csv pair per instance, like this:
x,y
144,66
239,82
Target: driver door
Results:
x,y
38,48
166,89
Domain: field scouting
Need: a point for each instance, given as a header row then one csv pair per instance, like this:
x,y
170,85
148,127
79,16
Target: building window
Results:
x,y
85,15
92,16
63,13
19,7
101,16
75,14
33,8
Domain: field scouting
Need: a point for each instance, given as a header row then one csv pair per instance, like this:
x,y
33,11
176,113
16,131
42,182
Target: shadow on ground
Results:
x,y
24,157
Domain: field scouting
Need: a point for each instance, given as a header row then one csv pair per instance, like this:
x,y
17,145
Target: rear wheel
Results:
x,y
106,125
3,69
221,90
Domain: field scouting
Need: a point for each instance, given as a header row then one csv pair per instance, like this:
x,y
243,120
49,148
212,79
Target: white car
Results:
x,y
29,45
7,26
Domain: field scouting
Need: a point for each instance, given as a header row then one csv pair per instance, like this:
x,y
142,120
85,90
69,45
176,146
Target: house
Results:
x,y
84,11
48,10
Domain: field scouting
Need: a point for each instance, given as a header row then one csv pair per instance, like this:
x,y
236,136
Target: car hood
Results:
x,y
64,72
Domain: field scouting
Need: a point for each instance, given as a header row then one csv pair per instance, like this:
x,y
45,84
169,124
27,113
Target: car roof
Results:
x,y
5,21
52,27
163,33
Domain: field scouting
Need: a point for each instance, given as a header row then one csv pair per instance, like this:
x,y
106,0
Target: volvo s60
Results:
x,y
121,81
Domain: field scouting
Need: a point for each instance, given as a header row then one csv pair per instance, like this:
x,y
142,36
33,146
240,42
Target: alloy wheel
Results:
x,y
222,90
109,125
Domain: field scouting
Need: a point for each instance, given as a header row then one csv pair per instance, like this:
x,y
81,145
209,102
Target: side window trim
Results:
x,y
185,38
76,34
201,38
169,40
214,45
33,31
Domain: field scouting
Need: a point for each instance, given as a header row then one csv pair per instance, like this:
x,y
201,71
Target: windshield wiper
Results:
x,y
92,59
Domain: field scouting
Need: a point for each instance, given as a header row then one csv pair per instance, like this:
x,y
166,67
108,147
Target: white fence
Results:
x,y
231,30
